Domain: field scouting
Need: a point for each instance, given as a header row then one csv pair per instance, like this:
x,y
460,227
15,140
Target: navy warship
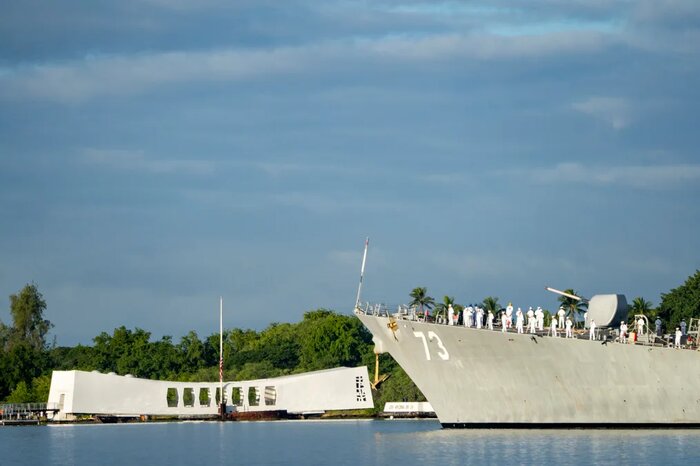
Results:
x,y
491,378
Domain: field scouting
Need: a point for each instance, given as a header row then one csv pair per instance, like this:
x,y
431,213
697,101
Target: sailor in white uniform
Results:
x,y
569,325
504,323
519,318
509,315
623,332
530,320
591,331
539,315
450,315
479,317
468,317
561,313
489,320
679,334
640,327
553,327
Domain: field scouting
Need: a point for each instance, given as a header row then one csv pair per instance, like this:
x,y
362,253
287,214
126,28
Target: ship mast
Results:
x,y
362,274
221,358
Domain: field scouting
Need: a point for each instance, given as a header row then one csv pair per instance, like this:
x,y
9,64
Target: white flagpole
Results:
x,y
362,273
221,356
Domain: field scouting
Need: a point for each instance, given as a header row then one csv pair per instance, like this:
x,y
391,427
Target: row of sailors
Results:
x,y
680,331
473,316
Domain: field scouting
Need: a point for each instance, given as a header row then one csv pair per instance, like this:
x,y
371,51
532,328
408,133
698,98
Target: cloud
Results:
x,y
667,12
277,169
323,204
77,81
80,80
615,111
636,176
126,160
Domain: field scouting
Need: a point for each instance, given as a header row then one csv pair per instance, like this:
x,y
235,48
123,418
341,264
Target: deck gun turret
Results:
x,y
607,310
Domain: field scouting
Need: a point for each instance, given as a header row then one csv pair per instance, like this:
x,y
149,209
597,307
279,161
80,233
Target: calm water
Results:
x,y
332,443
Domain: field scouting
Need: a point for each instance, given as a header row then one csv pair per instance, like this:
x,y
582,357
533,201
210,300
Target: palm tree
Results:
x,y
573,307
421,299
490,303
441,308
640,306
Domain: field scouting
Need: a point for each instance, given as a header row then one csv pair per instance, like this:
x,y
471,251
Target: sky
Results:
x,y
158,154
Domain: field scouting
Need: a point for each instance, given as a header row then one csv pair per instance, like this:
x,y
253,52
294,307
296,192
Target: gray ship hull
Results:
x,y
482,378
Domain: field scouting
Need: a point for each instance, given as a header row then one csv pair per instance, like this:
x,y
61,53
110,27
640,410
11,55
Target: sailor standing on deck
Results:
x,y
569,325
561,313
468,317
539,315
530,320
509,315
479,317
679,334
450,315
489,320
503,321
591,332
554,325
623,332
519,318
640,326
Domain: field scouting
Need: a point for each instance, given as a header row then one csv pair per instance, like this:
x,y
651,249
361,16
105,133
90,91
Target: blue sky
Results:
x,y
156,154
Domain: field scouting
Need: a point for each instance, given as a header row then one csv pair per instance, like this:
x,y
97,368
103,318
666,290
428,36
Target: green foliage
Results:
x,y
22,393
40,388
191,352
682,302
34,391
441,308
420,298
330,340
490,303
28,323
132,352
573,307
641,306
279,344
21,363
258,370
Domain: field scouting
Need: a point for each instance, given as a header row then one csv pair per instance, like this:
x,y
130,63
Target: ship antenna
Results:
x,y
362,274
221,358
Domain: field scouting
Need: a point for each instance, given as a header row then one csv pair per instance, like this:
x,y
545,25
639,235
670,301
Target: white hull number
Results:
x,y
442,353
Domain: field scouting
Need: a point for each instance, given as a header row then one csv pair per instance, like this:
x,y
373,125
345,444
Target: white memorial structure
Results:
x,y
93,393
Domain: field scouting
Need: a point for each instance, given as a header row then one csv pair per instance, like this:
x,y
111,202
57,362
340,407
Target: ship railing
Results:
x,y
400,311
374,309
